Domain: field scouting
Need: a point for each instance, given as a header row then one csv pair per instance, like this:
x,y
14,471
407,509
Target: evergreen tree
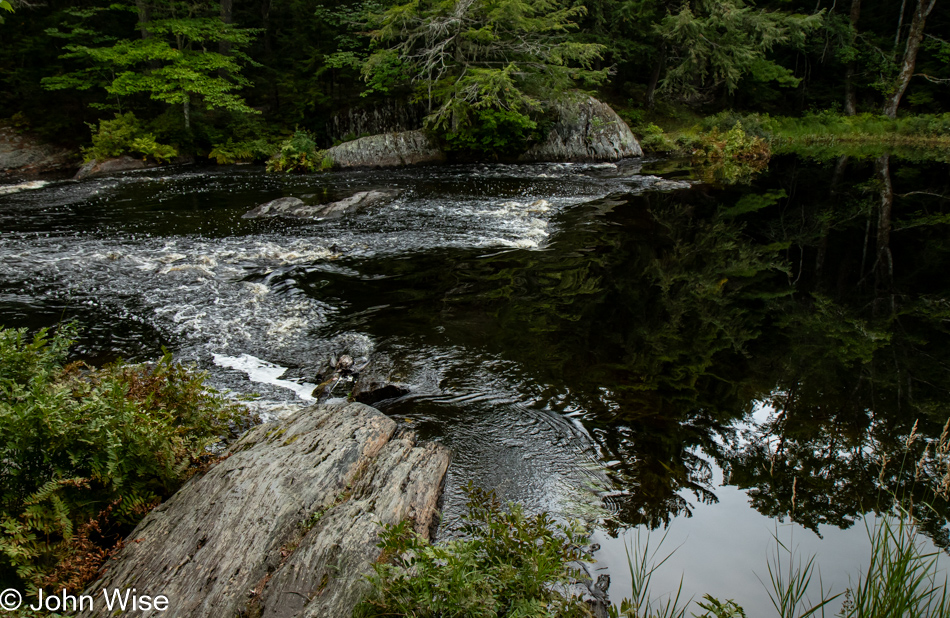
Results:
x,y
482,65
716,43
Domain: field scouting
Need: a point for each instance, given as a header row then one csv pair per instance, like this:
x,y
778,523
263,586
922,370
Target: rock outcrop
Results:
x,y
297,208
125,163
387,150
586,130
287,524
24,154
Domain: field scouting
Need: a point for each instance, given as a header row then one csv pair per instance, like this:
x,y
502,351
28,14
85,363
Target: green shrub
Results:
x,y
241,151
653,139
509,564
79,444
734,144
125,134
492,133
299,153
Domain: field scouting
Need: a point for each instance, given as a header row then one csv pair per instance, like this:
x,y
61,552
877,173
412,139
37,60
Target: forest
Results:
x,y
230,80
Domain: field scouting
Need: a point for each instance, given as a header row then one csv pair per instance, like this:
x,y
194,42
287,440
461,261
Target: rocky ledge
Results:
x,y
287,524
24,154
387,150
586,131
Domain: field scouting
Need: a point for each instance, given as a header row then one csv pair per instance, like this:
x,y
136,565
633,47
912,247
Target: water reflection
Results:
x,y
817,291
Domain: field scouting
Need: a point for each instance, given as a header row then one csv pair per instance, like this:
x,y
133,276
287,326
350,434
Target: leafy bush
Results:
x,y
125,134
653,139
242,151
756,125
299,153
732,144
492,132
81,445
509,564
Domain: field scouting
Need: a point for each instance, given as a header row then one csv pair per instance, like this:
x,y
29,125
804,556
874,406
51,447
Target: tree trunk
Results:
x,y
265,22
186,108
840,168
224,47
145,16
914,37
655,78
850,98
884,266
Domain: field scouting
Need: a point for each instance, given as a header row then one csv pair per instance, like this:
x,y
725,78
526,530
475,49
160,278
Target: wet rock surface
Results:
x,y
125,163
377,381
387,150
25,154
287,524
586,130
297,208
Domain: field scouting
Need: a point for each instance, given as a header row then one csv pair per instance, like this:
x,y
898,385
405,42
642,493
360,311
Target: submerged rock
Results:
x,y
377,381
287,525
297,208
586,130
125,163
24,154
387,150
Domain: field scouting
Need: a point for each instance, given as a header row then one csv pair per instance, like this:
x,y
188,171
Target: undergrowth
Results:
x,y
509,564
87,452
299,153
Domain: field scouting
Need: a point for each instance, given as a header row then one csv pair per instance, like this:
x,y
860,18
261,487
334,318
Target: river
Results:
x,y
646,346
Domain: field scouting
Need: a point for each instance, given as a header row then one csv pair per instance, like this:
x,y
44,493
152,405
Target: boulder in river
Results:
x,y
125,163
22,153
586,130
387,150
377,381
297,208
287,525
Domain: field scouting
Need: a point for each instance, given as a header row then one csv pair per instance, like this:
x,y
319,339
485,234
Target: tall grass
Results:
x,y
643,563
902,580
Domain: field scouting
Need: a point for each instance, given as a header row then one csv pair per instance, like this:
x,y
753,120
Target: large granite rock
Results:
x,y
125,163
24,154
297,208
287,524
586,130
387,150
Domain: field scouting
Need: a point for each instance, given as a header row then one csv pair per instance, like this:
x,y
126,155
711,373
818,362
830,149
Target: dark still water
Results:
x,y
640,345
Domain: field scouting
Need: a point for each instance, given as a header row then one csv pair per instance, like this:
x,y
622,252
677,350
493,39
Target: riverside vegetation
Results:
x,y
242,83
87,452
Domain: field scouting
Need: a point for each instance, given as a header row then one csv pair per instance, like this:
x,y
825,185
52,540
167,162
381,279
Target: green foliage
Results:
x,y
653,139
718,42
299,153
509,564
483,64
717,609
172,64
78,441
902,579
643,563
734,144
125,134
492,132
242,151
6,6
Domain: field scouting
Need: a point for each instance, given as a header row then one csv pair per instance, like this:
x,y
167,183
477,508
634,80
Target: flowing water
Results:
x,y
639,345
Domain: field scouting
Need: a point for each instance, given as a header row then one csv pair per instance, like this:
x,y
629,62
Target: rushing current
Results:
x,y
558,327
